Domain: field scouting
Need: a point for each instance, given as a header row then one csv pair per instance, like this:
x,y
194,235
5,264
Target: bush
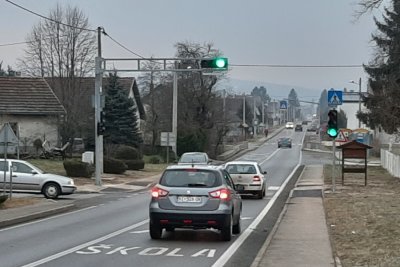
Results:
x,y
135,164
127,152
77,168
154,160
114,166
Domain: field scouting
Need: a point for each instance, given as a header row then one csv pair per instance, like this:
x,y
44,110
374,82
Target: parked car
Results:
x,y
248,177
27,177
285,142
196,197
298,128
194,158
289,125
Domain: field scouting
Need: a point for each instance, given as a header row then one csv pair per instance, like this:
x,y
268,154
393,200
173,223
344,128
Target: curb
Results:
x,y
36,215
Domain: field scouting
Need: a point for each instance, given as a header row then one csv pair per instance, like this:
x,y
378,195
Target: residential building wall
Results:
x,y
32,128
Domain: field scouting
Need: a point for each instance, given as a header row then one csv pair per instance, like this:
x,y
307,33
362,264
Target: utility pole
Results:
x,y
175,109
97,111
254,116
244,116
359,101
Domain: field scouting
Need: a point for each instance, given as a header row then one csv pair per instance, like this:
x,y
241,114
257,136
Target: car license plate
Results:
x,y
188,199
239,187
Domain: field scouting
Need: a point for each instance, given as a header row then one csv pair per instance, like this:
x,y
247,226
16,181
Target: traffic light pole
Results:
x,y
333,166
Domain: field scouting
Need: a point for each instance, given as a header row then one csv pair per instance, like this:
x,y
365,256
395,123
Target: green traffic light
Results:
x,y
332,132
221,62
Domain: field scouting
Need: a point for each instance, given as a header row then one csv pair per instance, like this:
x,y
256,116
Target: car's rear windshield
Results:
x,y
241,169
190,178
195,158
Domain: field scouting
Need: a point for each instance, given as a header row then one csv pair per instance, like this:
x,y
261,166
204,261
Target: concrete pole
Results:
x,y
359,101
97,110
254,116
175,110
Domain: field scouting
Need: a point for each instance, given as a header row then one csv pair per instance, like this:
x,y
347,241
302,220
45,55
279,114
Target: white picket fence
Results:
x,y
391,162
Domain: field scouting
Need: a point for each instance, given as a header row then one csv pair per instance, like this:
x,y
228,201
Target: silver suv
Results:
x,y
195,197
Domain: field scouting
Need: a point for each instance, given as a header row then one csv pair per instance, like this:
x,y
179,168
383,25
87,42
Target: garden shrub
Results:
x,y
77,168
135,164
114,166
127,152
154,160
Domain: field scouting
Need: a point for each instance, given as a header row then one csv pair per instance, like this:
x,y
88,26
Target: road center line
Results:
x,y
87,244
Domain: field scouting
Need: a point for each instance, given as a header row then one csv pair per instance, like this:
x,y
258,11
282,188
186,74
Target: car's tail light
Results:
x,y
256,178
223,194
157,192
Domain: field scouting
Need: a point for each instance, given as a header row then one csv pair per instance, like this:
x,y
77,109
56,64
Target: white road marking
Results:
x,y
46,219
246,218
270,156
239,241
139,232
87,244
273,188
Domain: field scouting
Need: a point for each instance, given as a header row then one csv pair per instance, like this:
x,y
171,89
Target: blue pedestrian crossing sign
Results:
x,y
335,98
283,104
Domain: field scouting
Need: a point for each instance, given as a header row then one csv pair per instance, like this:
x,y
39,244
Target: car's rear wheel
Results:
x,y
226,231
237,228
51,190
260,194
155,231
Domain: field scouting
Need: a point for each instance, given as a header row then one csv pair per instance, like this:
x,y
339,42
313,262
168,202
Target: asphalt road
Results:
x,y
115,232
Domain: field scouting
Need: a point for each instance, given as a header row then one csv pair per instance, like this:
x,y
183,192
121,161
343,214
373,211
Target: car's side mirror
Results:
x,y
34,172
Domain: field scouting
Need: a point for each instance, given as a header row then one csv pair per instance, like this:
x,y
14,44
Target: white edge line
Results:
x,y
46,219
238,242
270,156
71,250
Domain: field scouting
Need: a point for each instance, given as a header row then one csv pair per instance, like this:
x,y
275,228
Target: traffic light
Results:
x,y
218,63
101,125
332,130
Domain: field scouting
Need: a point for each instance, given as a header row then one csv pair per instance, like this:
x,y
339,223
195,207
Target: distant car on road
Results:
x,y
285,142
194,158
196,197
27,177
289,125
248,177
298,128
312,128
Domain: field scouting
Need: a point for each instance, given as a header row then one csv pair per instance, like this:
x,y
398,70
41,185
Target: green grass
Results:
x,y
51,166
57,167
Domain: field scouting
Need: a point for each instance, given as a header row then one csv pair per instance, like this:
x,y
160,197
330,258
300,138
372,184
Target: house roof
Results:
x,y
31,96
85,86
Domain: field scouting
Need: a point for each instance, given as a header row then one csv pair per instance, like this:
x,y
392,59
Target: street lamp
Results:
x,y
359,98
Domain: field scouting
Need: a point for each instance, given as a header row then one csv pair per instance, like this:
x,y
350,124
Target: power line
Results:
x,y
47,18
11,44
295,66
121,45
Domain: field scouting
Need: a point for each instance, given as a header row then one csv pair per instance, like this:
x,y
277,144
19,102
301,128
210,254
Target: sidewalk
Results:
x,y
300,237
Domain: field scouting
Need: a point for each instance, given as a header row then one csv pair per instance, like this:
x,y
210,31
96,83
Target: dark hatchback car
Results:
x,y
195,197
298,128
284,142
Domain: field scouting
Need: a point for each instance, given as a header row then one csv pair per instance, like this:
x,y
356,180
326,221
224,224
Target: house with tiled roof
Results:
x,y
32,109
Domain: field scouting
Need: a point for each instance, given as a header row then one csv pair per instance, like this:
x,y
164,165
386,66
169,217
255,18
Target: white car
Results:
x,y
27,177
289,125
194,158
248,177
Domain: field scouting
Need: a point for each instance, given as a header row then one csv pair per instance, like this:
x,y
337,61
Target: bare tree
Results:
x,y
367,6
63,53
148,81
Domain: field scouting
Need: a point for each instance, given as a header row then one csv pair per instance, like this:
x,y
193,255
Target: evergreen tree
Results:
x,y
120,116
384,98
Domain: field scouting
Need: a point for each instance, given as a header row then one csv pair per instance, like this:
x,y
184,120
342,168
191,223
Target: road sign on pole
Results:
x,y
335,98
283,104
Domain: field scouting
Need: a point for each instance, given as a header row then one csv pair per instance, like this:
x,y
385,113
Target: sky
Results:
x,y
279,32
